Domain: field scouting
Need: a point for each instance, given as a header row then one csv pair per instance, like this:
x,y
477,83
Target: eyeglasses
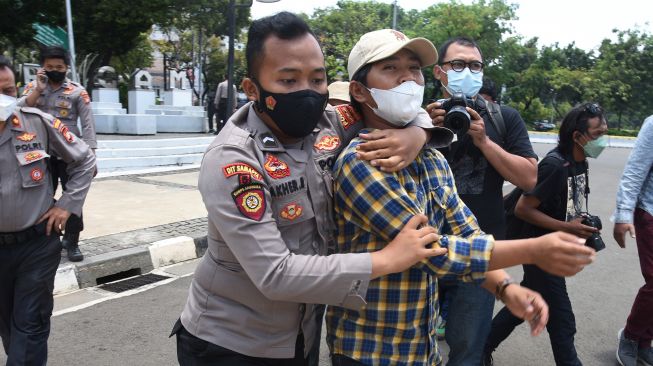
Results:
x,y
459,65
593,108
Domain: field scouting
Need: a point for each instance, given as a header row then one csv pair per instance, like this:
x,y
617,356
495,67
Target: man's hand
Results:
x,y
56,218
436,113
477,128
407,248
527,304
619,233
391,149
577,228
41,80
561,254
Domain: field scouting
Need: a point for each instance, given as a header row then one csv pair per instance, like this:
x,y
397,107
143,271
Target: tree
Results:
x,y
16,28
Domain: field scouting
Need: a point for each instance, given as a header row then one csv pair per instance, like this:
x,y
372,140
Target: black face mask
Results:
x,y
297,113
56,76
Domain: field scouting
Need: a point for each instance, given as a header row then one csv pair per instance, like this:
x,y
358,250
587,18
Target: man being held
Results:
x,y
633,214
495,148
67,100
397,325
31,220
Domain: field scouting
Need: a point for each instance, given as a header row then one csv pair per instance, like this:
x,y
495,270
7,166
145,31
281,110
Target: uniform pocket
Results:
x,y
34,173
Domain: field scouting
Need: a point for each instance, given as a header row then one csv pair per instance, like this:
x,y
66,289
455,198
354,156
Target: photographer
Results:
x,y
489,150
558,203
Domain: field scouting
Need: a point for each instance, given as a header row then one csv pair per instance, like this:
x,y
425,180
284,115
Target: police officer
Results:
x,y
266,183
30,219
67,100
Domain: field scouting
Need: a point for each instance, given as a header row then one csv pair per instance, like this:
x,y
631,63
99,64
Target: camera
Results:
x,y
595,241
457,119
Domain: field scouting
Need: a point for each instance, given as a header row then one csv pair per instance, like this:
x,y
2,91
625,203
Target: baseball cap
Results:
x,y
339,90
377,45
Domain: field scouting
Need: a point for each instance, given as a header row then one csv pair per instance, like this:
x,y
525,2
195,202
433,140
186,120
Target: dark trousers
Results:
x,y
210,111
27,271
222,114
75,224
193,351
561,325
313,358
640,321
340,360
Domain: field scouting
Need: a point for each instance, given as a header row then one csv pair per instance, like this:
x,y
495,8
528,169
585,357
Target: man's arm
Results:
x,y
635,173
83,105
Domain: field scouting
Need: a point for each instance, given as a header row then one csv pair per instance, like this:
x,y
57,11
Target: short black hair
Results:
x,y
283,25
5,63
361,77
463,41
54,52
490,88
577,120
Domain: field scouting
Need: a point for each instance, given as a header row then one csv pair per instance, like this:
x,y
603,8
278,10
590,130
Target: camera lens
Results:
x,y
457,120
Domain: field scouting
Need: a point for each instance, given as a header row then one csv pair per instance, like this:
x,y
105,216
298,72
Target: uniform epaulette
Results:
x,y
348,115
44,116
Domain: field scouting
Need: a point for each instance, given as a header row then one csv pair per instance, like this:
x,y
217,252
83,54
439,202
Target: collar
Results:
x,y
258,130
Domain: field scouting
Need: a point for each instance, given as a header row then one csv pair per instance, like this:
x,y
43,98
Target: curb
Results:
x,y
118,264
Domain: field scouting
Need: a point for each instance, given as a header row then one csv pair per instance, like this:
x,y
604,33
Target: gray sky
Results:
x,y
586,22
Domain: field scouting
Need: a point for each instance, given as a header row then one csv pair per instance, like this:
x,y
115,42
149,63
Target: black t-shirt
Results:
x,y
479,185
561,190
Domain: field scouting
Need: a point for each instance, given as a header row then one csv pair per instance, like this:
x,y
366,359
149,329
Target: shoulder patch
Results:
x,y
275,167
348,115
85,97
328,143
250,200
241,169
28,88
69,89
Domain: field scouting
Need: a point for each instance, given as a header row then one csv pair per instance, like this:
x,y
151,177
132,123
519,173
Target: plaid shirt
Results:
x,y
397,326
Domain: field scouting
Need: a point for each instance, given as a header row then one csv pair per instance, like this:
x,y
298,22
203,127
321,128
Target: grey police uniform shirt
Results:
x,y
270,215
26,193
222,93
67,102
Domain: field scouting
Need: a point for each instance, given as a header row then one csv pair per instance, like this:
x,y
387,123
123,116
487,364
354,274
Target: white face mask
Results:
x,y
7,106
398,105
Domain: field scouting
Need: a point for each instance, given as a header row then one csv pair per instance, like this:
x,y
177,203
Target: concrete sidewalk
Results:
x,y
135,223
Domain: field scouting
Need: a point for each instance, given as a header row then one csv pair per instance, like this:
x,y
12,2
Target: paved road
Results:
x,y
133,329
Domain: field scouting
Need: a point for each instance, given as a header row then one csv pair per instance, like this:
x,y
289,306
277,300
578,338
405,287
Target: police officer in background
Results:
x,y
67,100
30,219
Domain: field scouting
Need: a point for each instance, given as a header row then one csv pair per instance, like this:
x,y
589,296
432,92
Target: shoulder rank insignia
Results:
x,y
276,168
15,121
268,140
292,211
347,115
241,169
250,200
26,137
328,143
69,89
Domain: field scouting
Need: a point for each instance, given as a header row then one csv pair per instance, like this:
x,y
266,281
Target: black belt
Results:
x,y
7,239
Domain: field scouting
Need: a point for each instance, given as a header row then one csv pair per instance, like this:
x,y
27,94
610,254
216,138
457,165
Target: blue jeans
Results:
x,y
561,325
468,322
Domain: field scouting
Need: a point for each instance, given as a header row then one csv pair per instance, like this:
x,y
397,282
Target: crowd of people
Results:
x,y
348,196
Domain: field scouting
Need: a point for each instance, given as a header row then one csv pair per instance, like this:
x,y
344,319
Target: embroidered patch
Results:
x,y
276,168
270,102
28,88
250,200
66,133
56,123
241,168
268,140
328,143
27,137
68,89
63,113
85,97
36,174
292,211
31,156
15,121
347,115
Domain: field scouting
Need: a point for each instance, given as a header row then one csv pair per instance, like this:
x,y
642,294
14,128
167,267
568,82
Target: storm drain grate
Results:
x,y
132,283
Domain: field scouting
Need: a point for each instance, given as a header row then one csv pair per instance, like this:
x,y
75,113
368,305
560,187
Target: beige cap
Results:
x,y
339,90
380,44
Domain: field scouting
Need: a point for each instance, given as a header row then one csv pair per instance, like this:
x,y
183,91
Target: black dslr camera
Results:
x,y
595,241
457,119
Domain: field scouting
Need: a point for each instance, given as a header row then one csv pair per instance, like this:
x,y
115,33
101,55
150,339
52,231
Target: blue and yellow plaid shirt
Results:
x,y
397,326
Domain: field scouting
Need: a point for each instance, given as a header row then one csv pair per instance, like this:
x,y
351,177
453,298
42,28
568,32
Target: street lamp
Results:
x,y
231,18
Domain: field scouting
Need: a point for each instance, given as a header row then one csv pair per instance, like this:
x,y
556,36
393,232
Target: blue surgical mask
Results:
x,y
464,82
593,148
